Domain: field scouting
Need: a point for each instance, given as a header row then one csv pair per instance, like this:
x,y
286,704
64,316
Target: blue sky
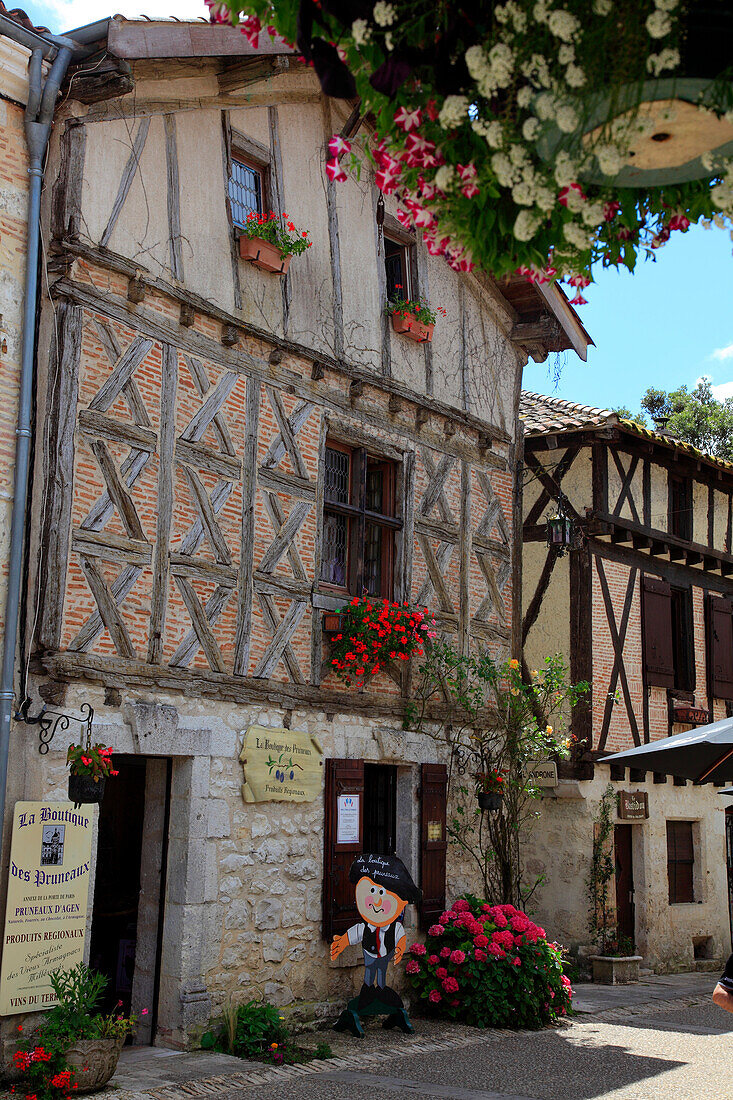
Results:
x,y
665,325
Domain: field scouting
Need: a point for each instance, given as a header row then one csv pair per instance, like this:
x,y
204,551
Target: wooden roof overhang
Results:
x,y
545,320
625,532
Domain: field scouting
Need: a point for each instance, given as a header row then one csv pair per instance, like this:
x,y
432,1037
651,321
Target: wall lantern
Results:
x,y
560,529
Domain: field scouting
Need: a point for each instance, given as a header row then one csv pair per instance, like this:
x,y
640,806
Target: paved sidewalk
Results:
x,y
660,1039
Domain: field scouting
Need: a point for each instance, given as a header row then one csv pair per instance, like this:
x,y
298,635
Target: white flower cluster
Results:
x,y
361,32
578,237
445,177
537,71
602,7
384,14
453,112
659,24
567,118
566,169
511,12
563,25
610,160
575,76
491,71
722,193
526,225
658,63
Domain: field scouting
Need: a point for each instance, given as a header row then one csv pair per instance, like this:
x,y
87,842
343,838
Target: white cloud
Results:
x,y
723,353
76,13
725,389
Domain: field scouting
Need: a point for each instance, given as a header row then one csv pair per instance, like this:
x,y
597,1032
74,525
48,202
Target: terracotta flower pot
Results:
x,y
489,800
94,1060
83,789
410,326
263,254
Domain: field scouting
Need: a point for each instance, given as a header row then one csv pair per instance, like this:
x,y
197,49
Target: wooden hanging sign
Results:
x,y
633,805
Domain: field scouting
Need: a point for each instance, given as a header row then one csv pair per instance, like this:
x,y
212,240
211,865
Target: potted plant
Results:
x,y
376,632
76,1048
490,790
269,241
616,963
413,318
90,765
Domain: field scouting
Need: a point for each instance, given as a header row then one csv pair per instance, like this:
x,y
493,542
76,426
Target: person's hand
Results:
x,y
400,950
722,998
338,945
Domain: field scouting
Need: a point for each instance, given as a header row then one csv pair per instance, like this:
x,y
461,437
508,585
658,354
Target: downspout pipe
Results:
x,y
38,123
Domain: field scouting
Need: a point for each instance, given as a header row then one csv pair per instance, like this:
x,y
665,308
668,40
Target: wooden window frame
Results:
x,y
245,150
679,519
677,894
357,516
405,249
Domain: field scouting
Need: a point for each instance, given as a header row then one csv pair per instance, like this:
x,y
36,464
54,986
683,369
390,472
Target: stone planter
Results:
x,y
615,969
489,800
94,1060
263,254
83,790
410,326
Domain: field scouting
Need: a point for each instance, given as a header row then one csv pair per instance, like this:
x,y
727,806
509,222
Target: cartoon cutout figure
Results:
x,y
384,889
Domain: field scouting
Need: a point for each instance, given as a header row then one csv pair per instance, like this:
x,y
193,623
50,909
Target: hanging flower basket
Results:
x,y
490,790
85,790
409,326
530,137
90,765
263,254
269,241
490,800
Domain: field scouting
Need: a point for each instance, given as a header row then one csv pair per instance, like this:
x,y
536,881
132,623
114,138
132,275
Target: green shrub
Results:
x,y
490,966
259,1025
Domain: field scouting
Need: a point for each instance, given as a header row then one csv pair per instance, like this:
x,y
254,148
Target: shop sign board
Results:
x,y
281,765
46,910
543,773
633,805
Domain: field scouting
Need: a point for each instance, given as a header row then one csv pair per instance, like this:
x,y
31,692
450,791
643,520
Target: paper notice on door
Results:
x,y
347,824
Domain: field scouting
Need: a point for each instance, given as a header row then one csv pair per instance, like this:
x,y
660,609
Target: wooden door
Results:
x,y
433,842
624,882
729,861
344,778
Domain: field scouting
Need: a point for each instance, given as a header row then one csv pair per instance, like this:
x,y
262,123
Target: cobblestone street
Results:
x,y
661,1038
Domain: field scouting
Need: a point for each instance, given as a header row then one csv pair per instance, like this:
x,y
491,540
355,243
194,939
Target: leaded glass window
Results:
x,y
245,192
359,521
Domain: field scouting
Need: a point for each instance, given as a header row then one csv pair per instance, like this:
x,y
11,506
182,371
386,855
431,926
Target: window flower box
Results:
x,y
413,318
411,327
269,241
263,254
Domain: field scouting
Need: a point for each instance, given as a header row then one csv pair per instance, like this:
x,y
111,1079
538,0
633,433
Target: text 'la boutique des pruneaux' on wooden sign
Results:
x,y
281,765
46,910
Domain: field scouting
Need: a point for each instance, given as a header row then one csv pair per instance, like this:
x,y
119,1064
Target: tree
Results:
x,y
626,414
695,416
494,724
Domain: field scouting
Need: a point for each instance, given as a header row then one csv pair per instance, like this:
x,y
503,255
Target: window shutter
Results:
x,y
720,650
656,616
433,842
343,777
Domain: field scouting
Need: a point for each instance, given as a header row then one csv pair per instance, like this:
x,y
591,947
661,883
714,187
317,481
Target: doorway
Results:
x,y
129,890
625,915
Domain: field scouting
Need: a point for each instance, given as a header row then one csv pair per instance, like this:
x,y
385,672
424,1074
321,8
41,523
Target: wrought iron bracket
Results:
x,y
51,721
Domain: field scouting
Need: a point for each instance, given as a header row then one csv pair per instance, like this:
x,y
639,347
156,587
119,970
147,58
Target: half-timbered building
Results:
x,y
223,456
640,606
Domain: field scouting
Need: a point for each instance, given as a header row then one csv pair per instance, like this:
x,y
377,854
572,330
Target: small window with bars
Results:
x,y
680,862
359,521
246,191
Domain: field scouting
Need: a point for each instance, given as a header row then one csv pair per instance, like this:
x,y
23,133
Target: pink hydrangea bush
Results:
x,y
491,966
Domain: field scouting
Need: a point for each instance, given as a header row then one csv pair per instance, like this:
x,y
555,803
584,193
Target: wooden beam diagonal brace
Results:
x,y
436,574
284,536
118,494
286,433
551,483
495,583
276,450
190,644
203,385
200,624
205,509
627,477
125,366
282,631
194,430
277,519
494,514
130,170
130,392
94,625
443,559
618,637
108,609
435,492
131,469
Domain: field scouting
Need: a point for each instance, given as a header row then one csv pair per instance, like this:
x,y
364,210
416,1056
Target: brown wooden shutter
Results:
x,y
343,777
433,842
680,862
720,647
656,617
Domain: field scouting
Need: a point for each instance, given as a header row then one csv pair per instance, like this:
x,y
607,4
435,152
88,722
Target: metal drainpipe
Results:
x,y
38,122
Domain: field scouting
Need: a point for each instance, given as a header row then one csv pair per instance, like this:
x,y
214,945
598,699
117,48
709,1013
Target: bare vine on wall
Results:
x,y
494,725
602,920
